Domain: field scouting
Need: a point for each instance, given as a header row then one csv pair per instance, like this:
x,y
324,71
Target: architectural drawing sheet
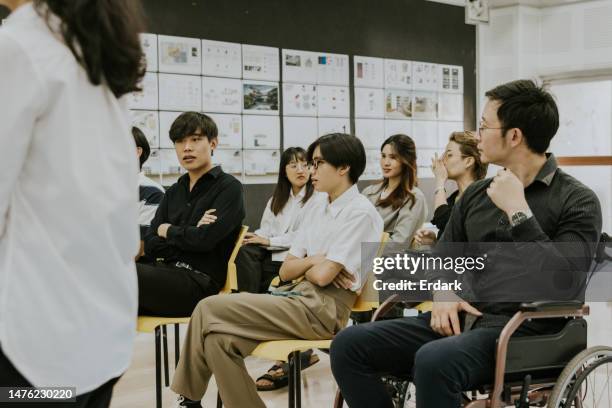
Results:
x,y
398,74
300,99
260,63
371,132
261,162
369,103
368,72
398,104
221,59
334,101
148,122
147,98
260,97
299,131
149,47
179,55
334,125
395,127
222,95
260,132
230,160
229,128
299,66
332,69
180,92
165,122
425,76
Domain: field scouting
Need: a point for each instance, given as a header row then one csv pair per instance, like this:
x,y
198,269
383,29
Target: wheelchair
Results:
x,y
553,370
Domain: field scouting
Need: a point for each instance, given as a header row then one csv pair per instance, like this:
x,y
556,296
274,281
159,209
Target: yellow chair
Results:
x,y
289,350
157,325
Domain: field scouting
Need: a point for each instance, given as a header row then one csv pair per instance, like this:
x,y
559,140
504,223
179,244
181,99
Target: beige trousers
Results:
x,y
224,329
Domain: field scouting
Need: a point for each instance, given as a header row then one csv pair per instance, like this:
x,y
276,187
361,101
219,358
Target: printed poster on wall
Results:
x,y
147,99
260,132
260,97
398,104
299,131
369,103
299,66
260,63
222,95
398,74
149,47
148,123
334,101
368,72
221,59
300,99
179,55
229,128
180,92
332,69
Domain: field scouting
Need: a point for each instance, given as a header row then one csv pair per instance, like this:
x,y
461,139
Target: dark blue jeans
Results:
x,y
440,367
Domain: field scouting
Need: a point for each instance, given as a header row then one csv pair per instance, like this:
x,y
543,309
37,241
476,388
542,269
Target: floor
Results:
x,y
136,388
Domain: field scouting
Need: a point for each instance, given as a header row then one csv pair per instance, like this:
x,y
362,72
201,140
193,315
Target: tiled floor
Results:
x,y
136,388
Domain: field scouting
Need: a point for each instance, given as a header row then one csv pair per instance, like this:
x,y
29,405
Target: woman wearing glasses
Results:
x,y
399,202
460,163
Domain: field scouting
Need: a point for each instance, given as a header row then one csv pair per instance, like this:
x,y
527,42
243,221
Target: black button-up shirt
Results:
x,y
206,248
566,214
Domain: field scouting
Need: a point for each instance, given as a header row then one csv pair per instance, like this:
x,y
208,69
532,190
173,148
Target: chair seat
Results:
x,y
147,324
280,349
424,307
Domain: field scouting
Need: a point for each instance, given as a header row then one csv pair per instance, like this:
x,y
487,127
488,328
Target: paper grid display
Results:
x,y
368,72
370,132
299,66
332,69
261,162
147,98
149,48
425,133
260,132
398,74
451,78
372,170
450,106
369,103
180,92
148,123
299,131
229,128
398,127
221,59
260,63
425,105
221,95
398,104
334,101
179,55
230,159
425,76
333,125
169,163
300,99
260,97
165,122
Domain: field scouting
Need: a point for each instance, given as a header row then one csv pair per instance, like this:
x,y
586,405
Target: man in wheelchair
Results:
x,y
532,211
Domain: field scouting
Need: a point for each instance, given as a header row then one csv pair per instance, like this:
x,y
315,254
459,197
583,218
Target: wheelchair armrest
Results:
x,y
545,306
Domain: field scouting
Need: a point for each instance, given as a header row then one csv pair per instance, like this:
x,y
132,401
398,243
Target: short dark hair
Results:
x,y
189,123
143,143
529,107
341,149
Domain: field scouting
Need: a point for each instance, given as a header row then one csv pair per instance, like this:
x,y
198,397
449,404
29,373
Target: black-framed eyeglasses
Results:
x,y
314,164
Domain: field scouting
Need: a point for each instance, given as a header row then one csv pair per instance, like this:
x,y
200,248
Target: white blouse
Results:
x,y
280,229
68,214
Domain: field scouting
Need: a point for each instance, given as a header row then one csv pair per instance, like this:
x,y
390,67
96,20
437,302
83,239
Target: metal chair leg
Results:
x,y
291,381
158,390
297,382
177,345
165,339
219,402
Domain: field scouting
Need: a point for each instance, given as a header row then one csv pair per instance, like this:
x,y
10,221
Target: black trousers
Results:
x,y
255,269
440,367
98,398
167,290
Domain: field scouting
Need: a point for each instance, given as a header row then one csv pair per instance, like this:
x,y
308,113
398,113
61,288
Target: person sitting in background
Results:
x,y
293,196
397,198
150,193
190,257
324,266
460,163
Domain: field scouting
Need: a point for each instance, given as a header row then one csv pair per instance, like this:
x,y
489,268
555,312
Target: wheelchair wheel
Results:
x,y
585,381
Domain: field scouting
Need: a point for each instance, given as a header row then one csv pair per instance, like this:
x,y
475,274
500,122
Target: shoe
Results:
x,y
186,402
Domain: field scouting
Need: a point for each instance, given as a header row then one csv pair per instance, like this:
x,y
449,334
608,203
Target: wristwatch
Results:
x,y
519,217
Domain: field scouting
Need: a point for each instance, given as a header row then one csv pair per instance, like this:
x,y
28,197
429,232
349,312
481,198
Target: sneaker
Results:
x,y
186,402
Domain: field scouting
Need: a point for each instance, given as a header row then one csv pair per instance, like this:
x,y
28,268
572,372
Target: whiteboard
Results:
x,y
180,92
148,123
222,95
147,99
261,162
368,72
369,103
260,63
334,101
260,97
334,125
371,132
299,66
260,132
148,43
165,122
300,99
221,59
299,131
230,130
398,74
179,55
332,69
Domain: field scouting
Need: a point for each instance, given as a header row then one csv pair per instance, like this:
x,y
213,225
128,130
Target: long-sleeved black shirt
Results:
x,y
566,214
442,213
206,248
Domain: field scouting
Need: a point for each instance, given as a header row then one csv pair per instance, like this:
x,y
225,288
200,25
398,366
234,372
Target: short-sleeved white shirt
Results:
x,y
338,229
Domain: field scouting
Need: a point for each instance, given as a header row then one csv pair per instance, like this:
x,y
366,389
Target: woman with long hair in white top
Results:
x,y
68,195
